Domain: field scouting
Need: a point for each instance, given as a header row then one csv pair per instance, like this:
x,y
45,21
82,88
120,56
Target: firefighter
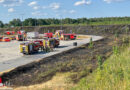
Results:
x,y
48,46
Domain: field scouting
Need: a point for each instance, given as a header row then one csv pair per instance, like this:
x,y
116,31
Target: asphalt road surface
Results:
x,y
11,58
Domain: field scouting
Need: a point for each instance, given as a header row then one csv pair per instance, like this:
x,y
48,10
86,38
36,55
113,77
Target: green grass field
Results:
x,y
114,74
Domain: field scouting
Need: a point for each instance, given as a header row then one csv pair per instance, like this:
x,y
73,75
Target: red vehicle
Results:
x,y
13,32
9,32
48,35
41,42
52,41
68,36
21,32
21,35
6,39
63,36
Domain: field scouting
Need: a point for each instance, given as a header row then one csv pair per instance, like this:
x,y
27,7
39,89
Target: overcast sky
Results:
x,y
10,9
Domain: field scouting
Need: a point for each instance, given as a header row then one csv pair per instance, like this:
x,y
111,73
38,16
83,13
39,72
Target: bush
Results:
x,y
91,43
115,50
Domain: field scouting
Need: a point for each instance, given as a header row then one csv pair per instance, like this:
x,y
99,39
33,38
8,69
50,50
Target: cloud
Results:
x,y
54,6
11,3
11,10
39,13
36,7
83,2
110,1
1,1
32,3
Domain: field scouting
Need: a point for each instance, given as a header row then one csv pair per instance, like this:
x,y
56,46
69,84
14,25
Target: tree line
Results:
x,y
54,21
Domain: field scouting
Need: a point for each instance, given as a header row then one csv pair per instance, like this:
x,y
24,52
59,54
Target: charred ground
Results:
x,y
81,61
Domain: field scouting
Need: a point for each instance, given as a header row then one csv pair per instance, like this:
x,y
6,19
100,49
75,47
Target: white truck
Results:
x,y
32,35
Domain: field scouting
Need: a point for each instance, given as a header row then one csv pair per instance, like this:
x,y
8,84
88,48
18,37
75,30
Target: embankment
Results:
x,y
89,30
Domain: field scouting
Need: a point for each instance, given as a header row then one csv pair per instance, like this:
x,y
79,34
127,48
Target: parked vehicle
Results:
x,y
13,38
68,36
20,32
64,36
21,37
36,46
48,35
6,39
29,48
9,32
32,35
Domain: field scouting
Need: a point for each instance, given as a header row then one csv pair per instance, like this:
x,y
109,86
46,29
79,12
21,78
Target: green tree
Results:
x,y
15,22
1,24
29,22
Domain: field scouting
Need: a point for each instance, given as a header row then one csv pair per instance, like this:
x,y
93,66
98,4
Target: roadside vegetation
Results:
x,y
113,74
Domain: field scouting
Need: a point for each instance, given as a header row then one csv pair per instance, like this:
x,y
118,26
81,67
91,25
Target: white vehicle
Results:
x,y
32,35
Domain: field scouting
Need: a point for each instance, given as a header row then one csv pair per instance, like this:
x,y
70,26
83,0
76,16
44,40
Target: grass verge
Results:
x,y
114,74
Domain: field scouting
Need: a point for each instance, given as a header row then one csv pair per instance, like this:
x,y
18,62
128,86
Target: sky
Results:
x,y
10,9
